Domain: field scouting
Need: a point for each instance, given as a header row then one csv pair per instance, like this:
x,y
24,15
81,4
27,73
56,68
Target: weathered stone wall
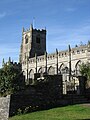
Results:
x,y
4,107
37,97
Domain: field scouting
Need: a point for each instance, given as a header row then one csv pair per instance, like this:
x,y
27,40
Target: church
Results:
x,y
35,59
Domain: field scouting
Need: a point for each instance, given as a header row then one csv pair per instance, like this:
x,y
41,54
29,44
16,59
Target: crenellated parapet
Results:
x,y
58,60
62,54
35,59
33,41
24,31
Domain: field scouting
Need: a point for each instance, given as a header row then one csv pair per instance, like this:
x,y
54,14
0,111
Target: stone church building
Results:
x,y
34,58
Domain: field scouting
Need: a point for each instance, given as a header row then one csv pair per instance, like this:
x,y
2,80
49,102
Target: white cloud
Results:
x,y
2,15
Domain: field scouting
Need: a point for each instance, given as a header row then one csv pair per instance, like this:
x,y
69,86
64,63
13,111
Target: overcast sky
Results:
x,y
66,21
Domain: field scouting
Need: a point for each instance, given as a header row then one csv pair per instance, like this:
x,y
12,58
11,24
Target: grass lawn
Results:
x,y
74,112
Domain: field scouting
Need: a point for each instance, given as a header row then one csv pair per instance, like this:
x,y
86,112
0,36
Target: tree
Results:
x,y
9,79
85,71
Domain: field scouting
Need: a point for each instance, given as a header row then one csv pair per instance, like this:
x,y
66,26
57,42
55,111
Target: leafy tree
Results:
x,y
85,71
10,80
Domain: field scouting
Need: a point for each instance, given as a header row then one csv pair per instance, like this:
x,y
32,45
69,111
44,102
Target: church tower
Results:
x,y
33,41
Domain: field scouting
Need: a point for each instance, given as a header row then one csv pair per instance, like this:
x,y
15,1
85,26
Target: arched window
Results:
x,y
31,74
63,69
77,67
40,70
51,70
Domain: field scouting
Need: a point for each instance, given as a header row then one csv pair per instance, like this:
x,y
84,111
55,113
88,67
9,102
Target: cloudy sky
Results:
x,y
66,21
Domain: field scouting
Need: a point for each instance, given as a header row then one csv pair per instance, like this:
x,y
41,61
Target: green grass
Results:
x,y
74,112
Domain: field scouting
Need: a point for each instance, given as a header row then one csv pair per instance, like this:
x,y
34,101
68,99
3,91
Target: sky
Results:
x,y
66,21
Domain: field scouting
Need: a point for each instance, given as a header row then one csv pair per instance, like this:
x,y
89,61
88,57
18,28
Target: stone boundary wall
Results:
x,y
4,107
37,97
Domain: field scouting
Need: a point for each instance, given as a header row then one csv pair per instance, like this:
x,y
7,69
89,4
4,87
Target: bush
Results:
x,y
19,111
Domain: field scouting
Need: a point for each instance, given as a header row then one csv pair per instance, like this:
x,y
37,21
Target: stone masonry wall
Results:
x,y
37,97
4,107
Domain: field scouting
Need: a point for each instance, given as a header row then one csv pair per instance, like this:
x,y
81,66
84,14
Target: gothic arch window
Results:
x,y
63,69
26,39
31,74
77,67
40,70
51,70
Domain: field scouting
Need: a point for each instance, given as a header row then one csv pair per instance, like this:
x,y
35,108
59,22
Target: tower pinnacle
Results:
x,y
23,29
31,26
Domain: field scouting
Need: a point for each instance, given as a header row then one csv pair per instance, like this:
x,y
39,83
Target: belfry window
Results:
x,y
26,39
38,39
